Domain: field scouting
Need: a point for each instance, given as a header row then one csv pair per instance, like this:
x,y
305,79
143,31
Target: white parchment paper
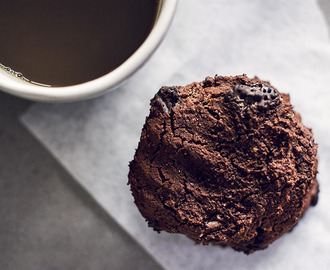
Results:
x,y
285,42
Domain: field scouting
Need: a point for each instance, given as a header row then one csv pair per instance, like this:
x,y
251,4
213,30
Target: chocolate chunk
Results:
x,y
167,97
259,95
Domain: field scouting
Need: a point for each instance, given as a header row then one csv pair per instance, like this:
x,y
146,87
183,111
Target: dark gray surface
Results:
x,y
325,7
47,220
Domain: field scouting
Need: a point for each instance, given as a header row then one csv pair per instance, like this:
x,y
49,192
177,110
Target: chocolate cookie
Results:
x,y
224,161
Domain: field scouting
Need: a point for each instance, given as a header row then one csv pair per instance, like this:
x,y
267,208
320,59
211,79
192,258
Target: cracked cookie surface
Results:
x,y
225,161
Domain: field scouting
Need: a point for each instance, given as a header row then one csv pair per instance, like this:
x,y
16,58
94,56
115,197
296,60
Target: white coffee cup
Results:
x,y
21,88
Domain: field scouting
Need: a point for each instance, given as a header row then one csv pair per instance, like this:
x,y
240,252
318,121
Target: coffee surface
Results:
x,y
67,42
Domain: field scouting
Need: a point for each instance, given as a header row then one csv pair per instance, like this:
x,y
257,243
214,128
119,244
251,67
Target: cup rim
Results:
x,y
102,84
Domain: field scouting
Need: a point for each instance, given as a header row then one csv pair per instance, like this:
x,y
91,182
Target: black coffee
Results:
x,y
66,42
